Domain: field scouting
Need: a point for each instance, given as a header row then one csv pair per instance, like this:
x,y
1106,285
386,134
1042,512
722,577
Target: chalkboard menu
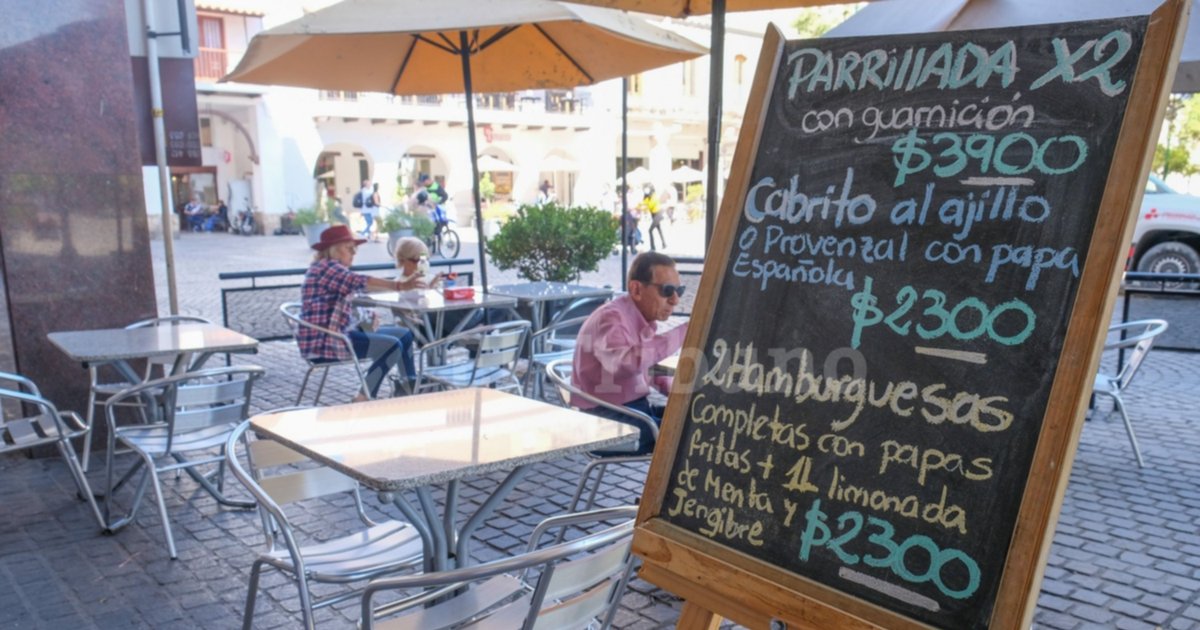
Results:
x,y
893,303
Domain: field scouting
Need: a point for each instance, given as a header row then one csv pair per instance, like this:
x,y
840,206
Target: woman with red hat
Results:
x,y
328,288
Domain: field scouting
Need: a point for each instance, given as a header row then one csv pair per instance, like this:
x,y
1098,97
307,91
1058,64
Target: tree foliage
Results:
x,y
814,22
1180,132
554,243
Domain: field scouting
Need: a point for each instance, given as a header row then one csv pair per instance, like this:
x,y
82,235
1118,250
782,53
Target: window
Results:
x,y
689,78
206,139
211,61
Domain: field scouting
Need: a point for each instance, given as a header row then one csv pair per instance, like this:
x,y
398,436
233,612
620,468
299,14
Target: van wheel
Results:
x,y
1171,257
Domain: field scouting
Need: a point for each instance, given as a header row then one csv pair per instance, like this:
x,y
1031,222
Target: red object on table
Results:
x,y
459,293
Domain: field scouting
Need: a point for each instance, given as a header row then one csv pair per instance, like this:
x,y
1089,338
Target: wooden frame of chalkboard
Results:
x,y
759,504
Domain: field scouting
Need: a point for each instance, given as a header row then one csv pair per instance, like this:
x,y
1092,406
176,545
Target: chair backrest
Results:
x,y
291,313
501,344
571,593
575,581
559,373
166,320
18,429
1139,336
194,400
278,476
566,327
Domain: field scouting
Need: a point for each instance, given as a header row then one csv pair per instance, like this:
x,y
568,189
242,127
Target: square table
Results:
x,y
118,346
537,294
417,307
416,442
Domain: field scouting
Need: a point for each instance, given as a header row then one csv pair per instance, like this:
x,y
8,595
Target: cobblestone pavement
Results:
x,y
1126,552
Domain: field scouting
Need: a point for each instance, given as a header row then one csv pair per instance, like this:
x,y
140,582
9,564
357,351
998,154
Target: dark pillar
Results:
x,y
74,248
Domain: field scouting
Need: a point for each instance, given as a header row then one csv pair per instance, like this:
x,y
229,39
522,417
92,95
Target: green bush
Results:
x,y
396,220
554,243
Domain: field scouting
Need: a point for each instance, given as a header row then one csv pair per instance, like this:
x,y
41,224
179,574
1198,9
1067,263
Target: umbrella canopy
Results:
x,y
422,47
490,163
923,16
412,47
686,174
636,177
684,8
554,164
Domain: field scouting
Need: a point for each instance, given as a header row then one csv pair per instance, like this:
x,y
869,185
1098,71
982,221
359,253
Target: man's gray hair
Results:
x,y
642,267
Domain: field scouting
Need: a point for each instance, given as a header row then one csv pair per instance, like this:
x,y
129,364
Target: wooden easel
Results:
x,y
719,582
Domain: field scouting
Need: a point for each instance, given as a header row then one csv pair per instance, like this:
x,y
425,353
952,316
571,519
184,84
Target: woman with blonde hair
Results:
x,y
412,260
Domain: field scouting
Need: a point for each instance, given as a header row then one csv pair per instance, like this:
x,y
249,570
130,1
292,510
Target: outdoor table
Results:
x,y
536,295
418,442
118,346
668,365
417,307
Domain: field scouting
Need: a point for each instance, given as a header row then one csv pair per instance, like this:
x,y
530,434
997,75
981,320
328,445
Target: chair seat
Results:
x,y
543,358
458,375
384,548
462,607
153,439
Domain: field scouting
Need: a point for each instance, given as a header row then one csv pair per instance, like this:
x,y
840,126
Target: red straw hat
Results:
x,y
334,235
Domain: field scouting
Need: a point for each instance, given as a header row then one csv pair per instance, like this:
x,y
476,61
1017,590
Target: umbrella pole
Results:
x,y
465,53
716,57
624,180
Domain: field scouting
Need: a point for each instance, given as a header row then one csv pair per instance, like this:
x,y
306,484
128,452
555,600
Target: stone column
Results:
x,y
73,238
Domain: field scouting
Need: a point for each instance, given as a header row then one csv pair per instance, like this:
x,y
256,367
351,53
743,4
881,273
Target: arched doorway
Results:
x,y
339,173
417,161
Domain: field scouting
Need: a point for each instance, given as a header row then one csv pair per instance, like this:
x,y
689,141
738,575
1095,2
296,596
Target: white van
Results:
x,y
1166,238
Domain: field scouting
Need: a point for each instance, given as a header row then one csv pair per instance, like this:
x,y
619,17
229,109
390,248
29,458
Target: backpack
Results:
x,y
358,199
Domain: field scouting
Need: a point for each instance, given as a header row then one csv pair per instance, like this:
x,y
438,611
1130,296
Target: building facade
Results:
x,y
274,149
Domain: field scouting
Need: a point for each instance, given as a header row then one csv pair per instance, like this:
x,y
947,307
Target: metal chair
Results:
x,y
554,342
291,312
564,585
1139,336
495,349
46,427
99,392
559,373
377,550
197,411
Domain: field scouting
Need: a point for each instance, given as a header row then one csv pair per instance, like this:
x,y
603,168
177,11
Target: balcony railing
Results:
x,y
211,64
551,101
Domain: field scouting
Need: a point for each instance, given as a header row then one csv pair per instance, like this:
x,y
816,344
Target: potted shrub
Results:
x,y
554,243
399,223
313,220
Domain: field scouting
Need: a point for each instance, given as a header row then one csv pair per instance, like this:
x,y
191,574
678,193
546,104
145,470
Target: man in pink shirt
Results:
x,y
619,343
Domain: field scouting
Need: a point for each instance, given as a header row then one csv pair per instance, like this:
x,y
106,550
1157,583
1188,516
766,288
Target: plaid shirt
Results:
x,y
325,296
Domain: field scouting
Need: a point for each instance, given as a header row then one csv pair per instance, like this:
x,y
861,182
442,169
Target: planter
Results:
x,y
313,232
395,236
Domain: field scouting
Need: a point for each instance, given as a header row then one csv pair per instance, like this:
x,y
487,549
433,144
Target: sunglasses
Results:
x,y
667,291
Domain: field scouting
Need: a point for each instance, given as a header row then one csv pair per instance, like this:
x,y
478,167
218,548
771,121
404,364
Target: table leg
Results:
x,y
462,551
442,560
418,521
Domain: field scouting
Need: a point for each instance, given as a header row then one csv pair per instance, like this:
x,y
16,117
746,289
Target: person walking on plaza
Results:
x,y
650,206
619,343
545,193
329,286
364,202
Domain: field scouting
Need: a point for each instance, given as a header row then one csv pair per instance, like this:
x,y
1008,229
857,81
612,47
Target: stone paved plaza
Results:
x,y
1126,552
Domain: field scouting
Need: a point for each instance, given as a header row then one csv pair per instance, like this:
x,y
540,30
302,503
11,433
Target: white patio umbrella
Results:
x,y
449,46
556,163
636,177
686,174
491,163
923,16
